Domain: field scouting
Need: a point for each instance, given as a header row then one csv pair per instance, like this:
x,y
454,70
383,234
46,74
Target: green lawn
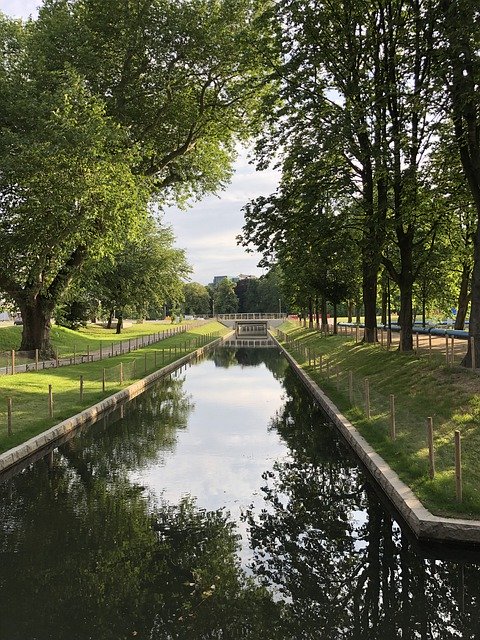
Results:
x,y
423,386
29,391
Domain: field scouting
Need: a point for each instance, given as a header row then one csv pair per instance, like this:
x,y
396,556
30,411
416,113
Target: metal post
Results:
x,y
36,359
13,361
103,380
81,388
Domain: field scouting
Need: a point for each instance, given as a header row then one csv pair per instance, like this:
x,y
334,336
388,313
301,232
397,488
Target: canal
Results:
x,y
219,504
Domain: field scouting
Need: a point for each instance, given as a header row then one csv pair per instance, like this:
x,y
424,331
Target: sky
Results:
x,y
206,230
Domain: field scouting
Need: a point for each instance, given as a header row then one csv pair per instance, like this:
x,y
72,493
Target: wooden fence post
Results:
x,y
393,426
50,401
9,416
458,467
121,372
36,359
452,350
367,398
447,359
431,453
81,388
103,379
13,362
101,351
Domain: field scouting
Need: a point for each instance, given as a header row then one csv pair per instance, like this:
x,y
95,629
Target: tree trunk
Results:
x,y
350,311
317,315
119,324
463,297
110,318
405,284
323,302
458,25
310,313
36,316
384,298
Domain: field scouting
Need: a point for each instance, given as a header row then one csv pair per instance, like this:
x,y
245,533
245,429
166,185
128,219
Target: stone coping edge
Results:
x,y
46,439
424,525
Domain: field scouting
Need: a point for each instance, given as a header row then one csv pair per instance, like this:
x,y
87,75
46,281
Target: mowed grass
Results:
x,y
423,387
29,391
67,342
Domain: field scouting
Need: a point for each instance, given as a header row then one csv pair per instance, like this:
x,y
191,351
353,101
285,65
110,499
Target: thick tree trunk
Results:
x,y
458,25
463,297
36,316
119,324
110,318
317,315
405,283
384,298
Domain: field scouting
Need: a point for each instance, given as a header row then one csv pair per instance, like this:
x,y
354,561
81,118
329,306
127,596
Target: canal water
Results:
x,y
219,504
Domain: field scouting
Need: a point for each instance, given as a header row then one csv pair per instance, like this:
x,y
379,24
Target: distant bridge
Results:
x,y
251,325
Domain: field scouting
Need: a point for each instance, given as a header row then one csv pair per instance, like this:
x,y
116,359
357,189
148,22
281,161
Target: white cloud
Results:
x,y
20,8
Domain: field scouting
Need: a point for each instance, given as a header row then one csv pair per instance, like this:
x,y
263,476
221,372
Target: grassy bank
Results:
x,y
67,342
29,391
423,387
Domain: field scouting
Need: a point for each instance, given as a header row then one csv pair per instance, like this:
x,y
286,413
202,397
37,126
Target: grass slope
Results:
x,y
423,386
29,391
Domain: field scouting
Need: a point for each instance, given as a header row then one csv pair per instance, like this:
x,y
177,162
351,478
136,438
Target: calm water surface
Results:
x,y
221,505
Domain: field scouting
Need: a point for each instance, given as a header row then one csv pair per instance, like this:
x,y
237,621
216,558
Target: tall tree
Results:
x,y
146,271
224,297
458,46
197,299
106,105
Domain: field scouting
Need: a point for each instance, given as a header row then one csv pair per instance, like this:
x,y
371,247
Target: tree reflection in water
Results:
x,y
88,553
340,564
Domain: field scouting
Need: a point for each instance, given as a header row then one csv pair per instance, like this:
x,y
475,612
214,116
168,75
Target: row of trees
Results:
x,y
109,111
250,295
376,130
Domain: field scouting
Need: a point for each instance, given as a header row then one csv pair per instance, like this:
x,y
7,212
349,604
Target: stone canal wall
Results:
x,y
38,446
424,524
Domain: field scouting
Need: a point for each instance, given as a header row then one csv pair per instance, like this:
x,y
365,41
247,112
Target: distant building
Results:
x,y
243,276
218,279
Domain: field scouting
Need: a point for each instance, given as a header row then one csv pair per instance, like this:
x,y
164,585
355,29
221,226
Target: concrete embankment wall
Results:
x,y
35,448
424,524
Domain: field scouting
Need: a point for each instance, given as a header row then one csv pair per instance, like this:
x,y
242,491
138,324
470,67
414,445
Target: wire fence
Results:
x,y
14,361
396,420
94,382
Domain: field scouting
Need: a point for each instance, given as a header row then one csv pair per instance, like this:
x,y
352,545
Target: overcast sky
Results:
x,y
208,229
